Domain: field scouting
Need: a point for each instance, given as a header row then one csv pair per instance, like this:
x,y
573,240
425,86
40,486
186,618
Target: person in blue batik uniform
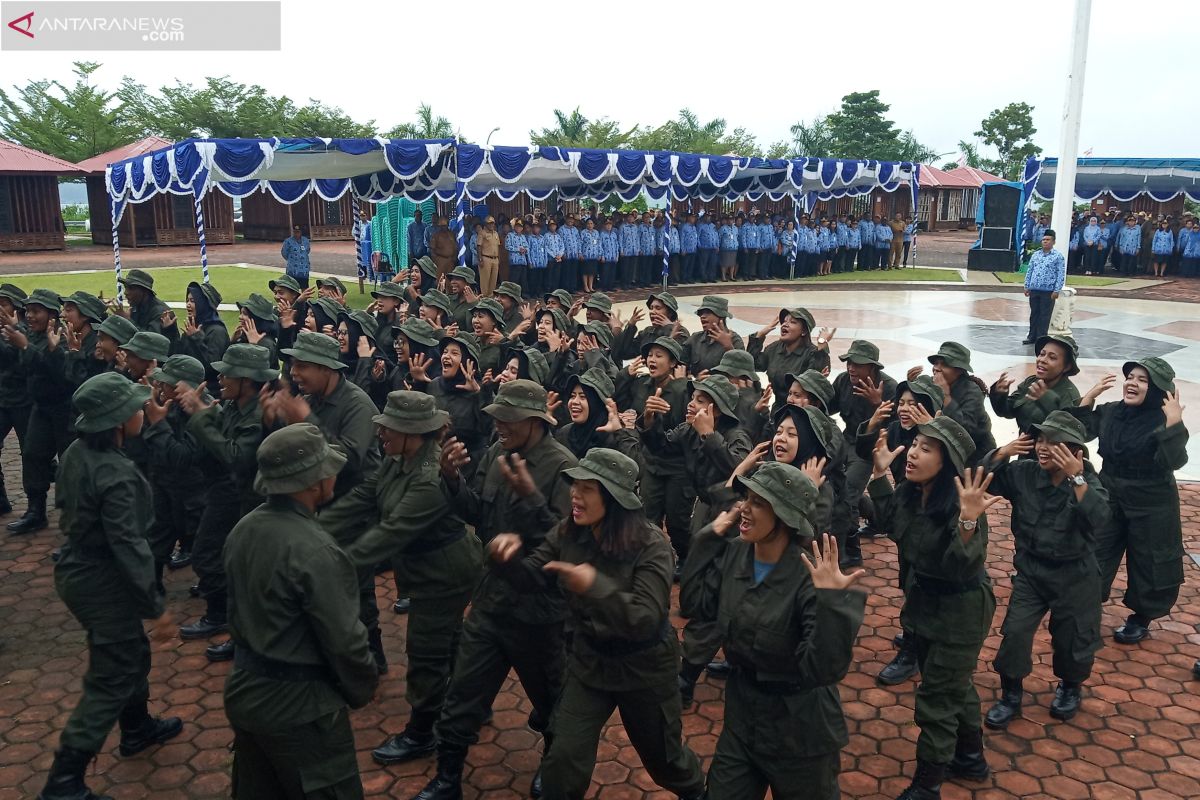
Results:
x,y
787,243
650,262
1129,243
517,246
572,253
867,257
708,245
729,249
910,236
1190,252
853,244
1043,281
552,241
883,242
674,246
631,250
689,243
295,251
417,241
537,262
748,247
1093,245
589,253
610,256
1162,245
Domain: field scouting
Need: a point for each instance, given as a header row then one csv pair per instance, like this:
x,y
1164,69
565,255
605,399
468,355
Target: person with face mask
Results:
x,y
1142,441
1048,389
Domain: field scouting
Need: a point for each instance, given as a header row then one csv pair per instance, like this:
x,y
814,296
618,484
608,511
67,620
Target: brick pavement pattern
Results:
x,y
1137,736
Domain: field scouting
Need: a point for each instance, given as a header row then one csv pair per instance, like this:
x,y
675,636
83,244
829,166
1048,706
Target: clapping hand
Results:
x,y
454,458
614,422
575,578
516,473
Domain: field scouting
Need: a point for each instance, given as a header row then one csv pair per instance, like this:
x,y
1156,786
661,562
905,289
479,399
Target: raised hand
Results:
x,y
655,405
1002,384
155,411
614,421
919,415
723,522
167,319
765,330
722,336
1017,447
882,456
191,328
824,569
913,372
418,367
378,369
575,578
504,546
516,473
364,347
1036,390
553,402
470,385
702,422
824,339
451,330
53,335
752,460
764,401
1172,409
814,468
870,391
1102,386
454,457
470,295
635,317
1062,457
973,499
881,414
635,366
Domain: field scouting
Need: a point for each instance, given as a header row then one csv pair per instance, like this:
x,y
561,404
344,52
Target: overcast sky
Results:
x,y
942,66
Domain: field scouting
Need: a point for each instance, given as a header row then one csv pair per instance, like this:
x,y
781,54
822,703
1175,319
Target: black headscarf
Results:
x,y
583,437
205,313
808,445
1128,436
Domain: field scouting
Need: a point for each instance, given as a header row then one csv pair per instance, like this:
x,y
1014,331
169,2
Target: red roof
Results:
x,y
96,164
934,178
15,158
977,176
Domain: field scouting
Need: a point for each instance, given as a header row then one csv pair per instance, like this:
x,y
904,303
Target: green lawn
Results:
x,y
1072,280
918,274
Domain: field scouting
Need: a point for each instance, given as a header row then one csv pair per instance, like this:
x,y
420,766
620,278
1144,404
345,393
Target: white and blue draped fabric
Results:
x,y
666,241
1124,178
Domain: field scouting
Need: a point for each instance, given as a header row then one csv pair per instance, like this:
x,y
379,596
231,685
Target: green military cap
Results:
x,y
510,289
518,400
285,281
736,364
561,295
492,308
595,378
462,273
243,360
954,355
366,322
411,412
418,330
428,266
600,302
954,438
294,458
15,294
148,345
862,352
814,384
923,385
818,421
105,401
466,341
89,305
1160,372
209,291
600,331
44,298
330,307
717,305
138,277
616,472
667,299
259,307
674,348
118,328
179,368
791,494
560,319
438,300
1060,426
1066,342
316,348
389,289
535,364
331,282
723,393
799,313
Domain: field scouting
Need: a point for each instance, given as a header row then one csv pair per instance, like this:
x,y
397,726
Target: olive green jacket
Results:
x,y
1047,520
344,416
701,352
206,346
855,409
629,341
1062,395
632,393
230,436
965,406
778,363
14,383
148,317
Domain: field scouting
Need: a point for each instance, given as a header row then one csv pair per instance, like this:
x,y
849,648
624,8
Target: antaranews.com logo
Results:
x,y
152,29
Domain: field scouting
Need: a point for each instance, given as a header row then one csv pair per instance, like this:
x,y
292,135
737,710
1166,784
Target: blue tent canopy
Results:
x,y
1123,178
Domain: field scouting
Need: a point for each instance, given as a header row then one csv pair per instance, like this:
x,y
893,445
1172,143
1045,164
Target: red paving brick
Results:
x,y
1137,736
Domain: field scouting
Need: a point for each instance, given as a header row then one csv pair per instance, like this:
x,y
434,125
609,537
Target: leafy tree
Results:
x,y
1010,130
576,130
909,149
687,134
426,126
859,128
969,155
813,138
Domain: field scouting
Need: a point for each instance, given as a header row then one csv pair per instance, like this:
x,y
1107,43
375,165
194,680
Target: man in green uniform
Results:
x,y
143,353
405,515
14,386
301,654
145,309
703,349
664,318
508,295
462,297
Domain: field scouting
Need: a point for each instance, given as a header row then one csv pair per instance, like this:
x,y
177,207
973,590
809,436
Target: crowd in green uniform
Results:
x,y
536,482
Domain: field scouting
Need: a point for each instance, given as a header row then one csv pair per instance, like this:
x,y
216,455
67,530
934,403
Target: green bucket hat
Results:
x,y
954,355
44,298
560,319
259,307
1161,374
792,496
106,400
243,360
149,345
670,345
465,273
138,277
536,364
285,281
736,364
595,378
600,302
418,330
315,348
89,305
15,294
411,412
331,282
667,299
428,266
717,305
616,472
814,384
366,322
120,329
923,385
953,437
862,352
509,289
561,295
722,392
1060,426
209,291
602,333
438,299
179,368
493,309
294,458
389,289
1067,342
465,340
801,314
331,308
518,400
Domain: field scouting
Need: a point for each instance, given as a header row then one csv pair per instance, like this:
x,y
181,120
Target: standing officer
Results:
x,y
295,251
301,654
1043,281
488,246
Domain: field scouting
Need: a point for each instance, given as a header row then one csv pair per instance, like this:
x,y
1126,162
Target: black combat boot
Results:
x,y
688,675
34,518
5,504
719,669
447,783
1067,698
1008,707
535,786
1135,629
902,667
375,645
219,652
926,783
851,552
969,762
65,781
140,731
414,742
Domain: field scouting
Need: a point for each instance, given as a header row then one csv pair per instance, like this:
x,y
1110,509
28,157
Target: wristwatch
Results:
x,y
968,524
1078,480
821,340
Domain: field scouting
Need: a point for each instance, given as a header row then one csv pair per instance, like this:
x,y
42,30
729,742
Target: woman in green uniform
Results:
x,y
1048,389
616,571
793,353
788,632
936,515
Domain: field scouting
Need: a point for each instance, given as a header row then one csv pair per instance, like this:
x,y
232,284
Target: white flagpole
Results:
x,y
1068,143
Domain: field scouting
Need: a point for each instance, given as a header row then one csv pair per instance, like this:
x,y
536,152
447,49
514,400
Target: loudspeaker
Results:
x,y
1001,205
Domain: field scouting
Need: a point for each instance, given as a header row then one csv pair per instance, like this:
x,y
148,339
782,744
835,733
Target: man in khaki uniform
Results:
x,y
443,246
897,226
488,246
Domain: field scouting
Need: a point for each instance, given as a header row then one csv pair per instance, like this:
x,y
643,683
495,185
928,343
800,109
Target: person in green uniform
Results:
x,y
963,393
106,517
487,324
386,302
594,418
1048,389
301,654
789,633
462,297
508,295
739,367
142,354
1058,506
703,349
146,311
793,353
519,485
458,392
1142,441
937,517
15,402
664,319
204,336
258,323
616,570
107,339
404,514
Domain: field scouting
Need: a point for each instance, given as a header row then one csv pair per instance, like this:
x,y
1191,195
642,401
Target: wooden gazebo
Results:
x,y
167,219
30,209
267,219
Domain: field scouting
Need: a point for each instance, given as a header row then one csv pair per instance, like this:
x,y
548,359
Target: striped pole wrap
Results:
x,y
666,268
460,214
115,212
203,241
356,210
795,238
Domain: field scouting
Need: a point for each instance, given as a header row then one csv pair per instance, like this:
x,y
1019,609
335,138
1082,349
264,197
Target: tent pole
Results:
x,y
666,267
200,235
1068,143
115,212
357,230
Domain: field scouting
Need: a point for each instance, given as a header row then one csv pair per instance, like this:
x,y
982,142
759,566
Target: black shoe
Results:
x,y
1196,670
1067,698
926,783
56,555
535,786
180,558
402,605
194,590
898,640
900,669
1133,631
1008,707
1027,341
30,522
202,629
719,669
151,732
405,747
219,652
65,781
687,692
447,783
968,762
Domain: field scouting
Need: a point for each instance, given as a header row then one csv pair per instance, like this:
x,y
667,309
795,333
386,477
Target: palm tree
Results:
x,y
427,126
812,138
576,130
